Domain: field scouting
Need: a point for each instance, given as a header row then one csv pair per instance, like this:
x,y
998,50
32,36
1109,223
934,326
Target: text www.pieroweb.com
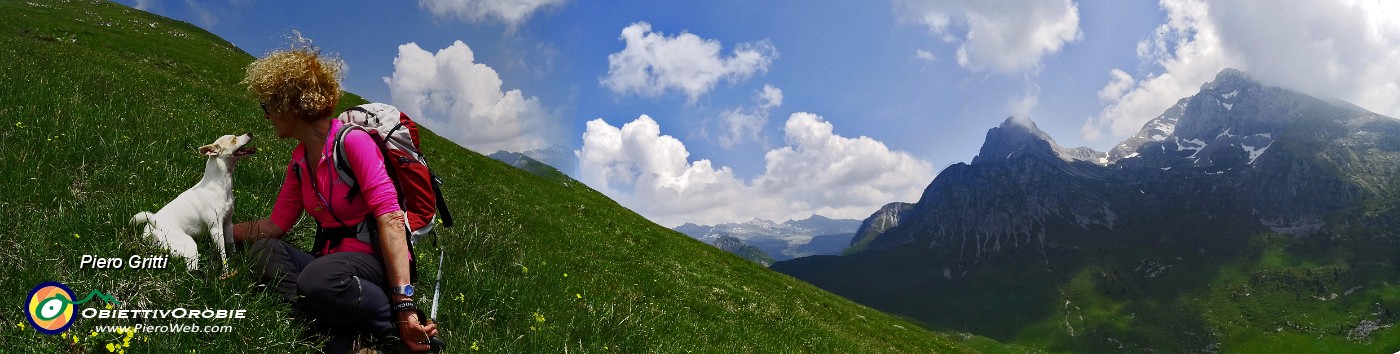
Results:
x,y
165,328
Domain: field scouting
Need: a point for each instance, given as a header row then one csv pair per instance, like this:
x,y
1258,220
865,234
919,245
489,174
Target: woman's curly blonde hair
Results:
x,y
299,81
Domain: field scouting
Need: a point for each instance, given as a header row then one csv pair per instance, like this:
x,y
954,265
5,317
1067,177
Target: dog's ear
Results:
x,y
210,150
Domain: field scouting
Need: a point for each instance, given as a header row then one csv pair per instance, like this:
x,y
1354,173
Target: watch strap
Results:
x,y
402,306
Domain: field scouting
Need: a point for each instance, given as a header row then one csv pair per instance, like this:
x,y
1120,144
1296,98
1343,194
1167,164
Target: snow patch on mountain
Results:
x,y
1254,153
1193,144
1082,154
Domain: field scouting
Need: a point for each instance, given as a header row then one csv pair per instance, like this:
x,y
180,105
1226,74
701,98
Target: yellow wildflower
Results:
x,y
474,347
111,348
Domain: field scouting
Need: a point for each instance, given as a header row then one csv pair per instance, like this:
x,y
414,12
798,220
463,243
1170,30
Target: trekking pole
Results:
x,y
437,287
437,344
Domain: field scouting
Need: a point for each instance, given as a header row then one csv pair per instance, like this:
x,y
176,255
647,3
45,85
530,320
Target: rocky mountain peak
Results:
x,y
1233,110
1015,135
1019,135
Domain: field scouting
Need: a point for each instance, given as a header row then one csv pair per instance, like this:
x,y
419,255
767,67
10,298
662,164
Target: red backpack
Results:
x,y
397,136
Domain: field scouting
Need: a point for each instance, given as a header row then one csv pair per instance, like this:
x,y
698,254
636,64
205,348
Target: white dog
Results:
x,y
206,206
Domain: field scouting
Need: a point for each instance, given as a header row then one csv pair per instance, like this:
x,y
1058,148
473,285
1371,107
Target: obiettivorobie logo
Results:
x,y
51,308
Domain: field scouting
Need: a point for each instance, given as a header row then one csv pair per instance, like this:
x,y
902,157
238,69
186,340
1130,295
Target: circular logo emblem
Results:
x,y
50,307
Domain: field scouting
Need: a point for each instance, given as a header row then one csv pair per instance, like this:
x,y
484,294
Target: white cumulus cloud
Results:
x,y
653,63
742,123
1342,49
925,55
770,97
1001,35
462,100
1116,87
510,12
837,176
817,172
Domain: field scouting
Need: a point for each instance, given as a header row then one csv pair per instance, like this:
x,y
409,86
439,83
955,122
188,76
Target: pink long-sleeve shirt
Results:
x,y
377,191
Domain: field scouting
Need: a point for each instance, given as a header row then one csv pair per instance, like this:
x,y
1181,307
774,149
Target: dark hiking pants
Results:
x,y
340,292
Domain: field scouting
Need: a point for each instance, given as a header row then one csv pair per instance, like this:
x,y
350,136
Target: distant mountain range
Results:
x,y
816,235
736,246
1242,217
525,162
555,157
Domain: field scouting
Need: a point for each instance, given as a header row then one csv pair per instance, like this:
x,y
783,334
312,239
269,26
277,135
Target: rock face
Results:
x,y
1194,189
1019,181
887,217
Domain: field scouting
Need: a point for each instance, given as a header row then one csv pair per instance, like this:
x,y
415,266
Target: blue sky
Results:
x,y
779,109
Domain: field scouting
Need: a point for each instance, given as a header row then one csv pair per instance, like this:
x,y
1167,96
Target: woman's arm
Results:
x,y
285,210
251,231
393,247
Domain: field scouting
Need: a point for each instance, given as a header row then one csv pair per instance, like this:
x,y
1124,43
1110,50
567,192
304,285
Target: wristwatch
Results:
x,y
405,290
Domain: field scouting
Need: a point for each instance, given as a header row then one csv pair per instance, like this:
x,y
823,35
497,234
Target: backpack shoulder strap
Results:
x,y
443,213
342,163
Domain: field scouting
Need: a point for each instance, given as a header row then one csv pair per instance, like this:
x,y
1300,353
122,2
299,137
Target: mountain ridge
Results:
x,y
1241,188
815,235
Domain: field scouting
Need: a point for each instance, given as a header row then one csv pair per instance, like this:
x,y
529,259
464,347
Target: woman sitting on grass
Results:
x,y
344,285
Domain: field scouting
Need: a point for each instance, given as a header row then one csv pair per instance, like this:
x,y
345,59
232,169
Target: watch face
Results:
x,y
406,290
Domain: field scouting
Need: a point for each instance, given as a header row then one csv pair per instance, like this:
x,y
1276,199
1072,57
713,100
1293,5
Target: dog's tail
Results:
x,y
148,219
149,228
142,218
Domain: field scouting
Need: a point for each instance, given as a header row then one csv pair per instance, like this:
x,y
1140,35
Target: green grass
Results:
x,y
103,107
1220,288
1273,300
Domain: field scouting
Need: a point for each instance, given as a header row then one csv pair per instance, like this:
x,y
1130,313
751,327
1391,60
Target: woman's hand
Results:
x,y
414,334
393,245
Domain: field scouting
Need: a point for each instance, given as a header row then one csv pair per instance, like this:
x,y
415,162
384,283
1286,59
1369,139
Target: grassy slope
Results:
x,y
105,105
1266,293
